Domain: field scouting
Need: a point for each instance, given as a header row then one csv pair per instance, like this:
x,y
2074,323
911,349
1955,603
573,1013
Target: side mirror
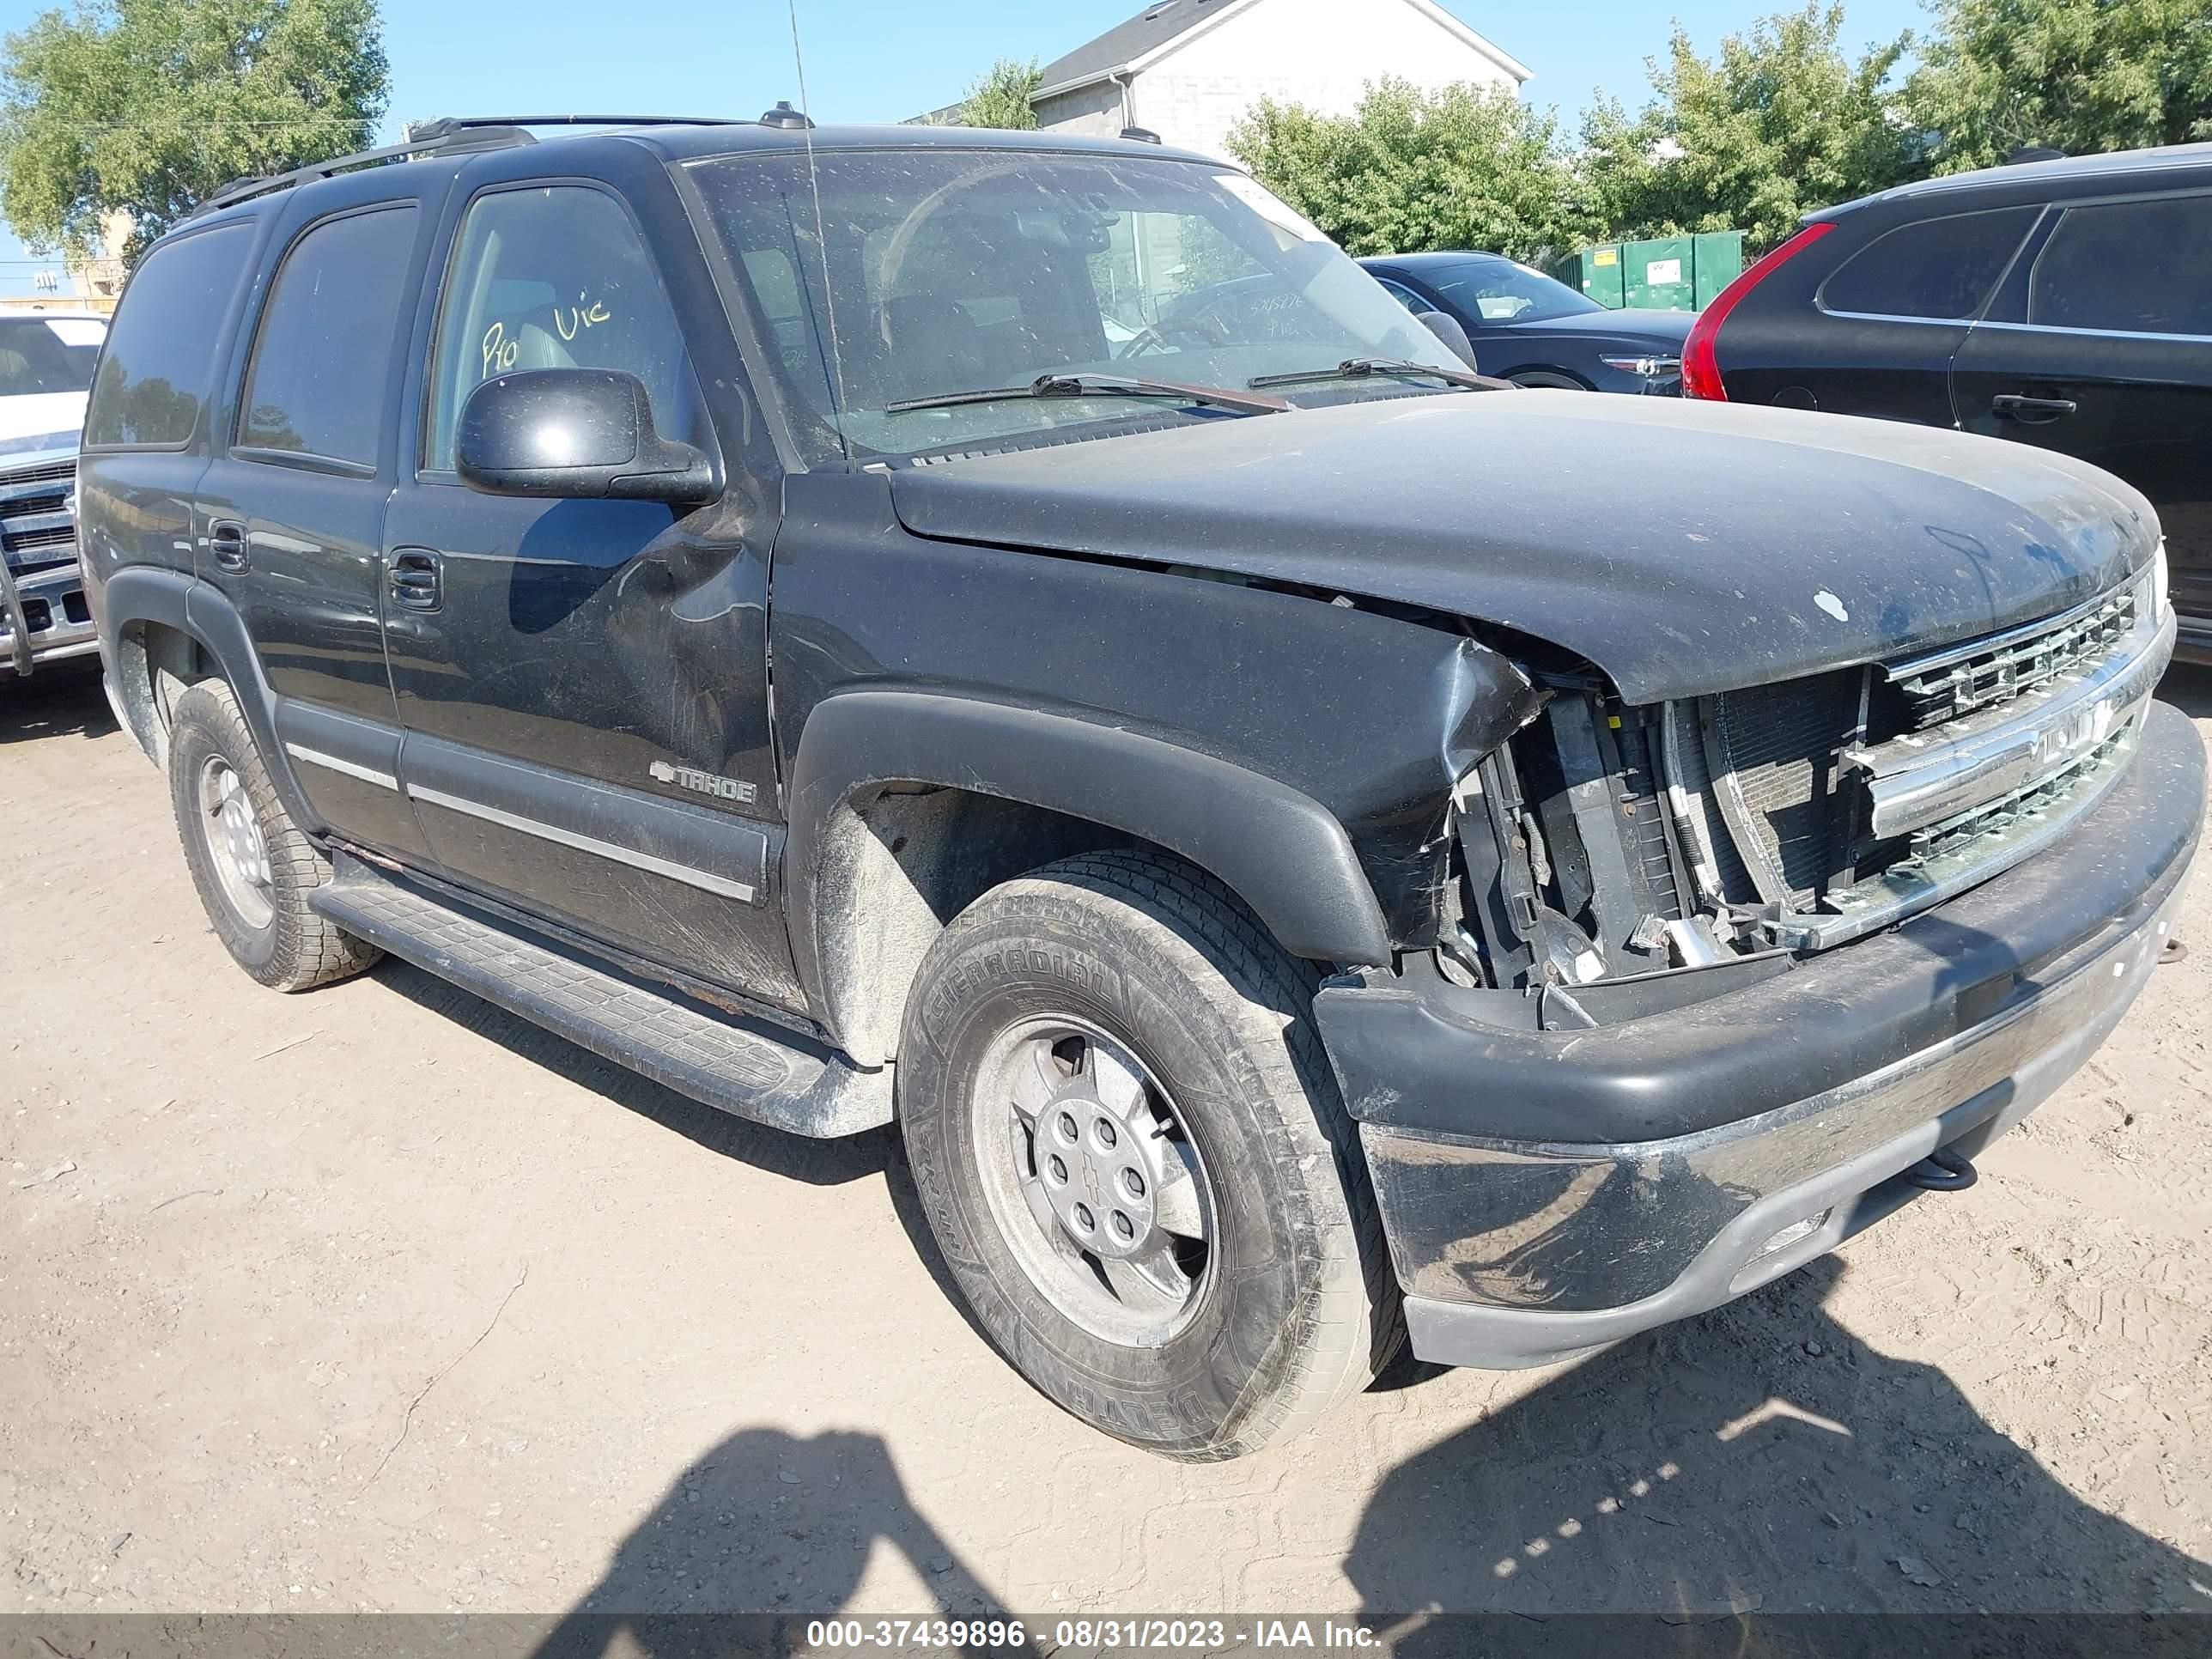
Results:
x,y
1447,328
575,432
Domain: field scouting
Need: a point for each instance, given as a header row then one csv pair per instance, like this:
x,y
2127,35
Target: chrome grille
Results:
x,y
1857,797
2008,813
44,472
36,530
1948,685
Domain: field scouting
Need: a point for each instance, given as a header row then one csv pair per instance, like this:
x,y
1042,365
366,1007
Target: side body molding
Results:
x,y
1280,851
150,593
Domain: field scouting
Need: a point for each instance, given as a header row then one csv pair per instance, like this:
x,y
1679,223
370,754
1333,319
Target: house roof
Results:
x,y
1126,42
1131,45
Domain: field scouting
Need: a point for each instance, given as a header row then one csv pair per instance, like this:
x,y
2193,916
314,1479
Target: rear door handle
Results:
x,y
417,583
226,541
2030,411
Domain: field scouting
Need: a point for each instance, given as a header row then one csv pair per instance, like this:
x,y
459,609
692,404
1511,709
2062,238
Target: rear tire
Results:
x,y
1164,985
254,868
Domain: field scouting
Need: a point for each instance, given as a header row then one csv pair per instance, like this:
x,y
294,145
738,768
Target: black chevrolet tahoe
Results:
x,y
1021,639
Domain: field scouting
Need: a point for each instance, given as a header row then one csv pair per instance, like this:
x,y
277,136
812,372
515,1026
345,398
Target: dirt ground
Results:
x,y
375,1298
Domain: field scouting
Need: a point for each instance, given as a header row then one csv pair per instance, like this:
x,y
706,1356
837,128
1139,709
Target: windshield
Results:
x,y
48,354
1500,291
942,270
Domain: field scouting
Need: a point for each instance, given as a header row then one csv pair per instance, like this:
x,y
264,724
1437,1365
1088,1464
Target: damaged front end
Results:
x,y
1638,1076
1616,861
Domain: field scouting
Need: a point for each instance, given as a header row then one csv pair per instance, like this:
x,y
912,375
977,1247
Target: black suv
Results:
x,y
2062,304
1019,638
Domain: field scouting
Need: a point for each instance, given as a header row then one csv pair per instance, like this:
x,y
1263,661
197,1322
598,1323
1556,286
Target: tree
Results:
x,y
1465,167
2084,75
1781,123
1002,98
147,105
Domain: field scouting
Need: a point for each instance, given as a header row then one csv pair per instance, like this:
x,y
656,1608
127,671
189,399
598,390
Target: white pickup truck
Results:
x,y
47,360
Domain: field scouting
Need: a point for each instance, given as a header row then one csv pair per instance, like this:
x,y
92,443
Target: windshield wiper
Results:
x,y
1099,385
1360,368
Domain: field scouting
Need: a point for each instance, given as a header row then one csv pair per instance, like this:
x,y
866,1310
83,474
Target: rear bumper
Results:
x,y
60,622
1549,1192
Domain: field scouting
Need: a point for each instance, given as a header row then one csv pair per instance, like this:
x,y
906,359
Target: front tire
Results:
x,y
254,868
1131,1150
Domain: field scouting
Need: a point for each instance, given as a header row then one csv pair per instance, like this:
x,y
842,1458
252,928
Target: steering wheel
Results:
x,y
1202,327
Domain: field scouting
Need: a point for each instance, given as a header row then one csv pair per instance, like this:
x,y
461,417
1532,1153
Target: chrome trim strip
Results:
x,y
1934,795
690,877
1917,782
2098,334
1904,890
331,762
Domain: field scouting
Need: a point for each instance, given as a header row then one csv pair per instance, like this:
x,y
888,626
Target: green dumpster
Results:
x,y
1719,255
1596,271
1662,274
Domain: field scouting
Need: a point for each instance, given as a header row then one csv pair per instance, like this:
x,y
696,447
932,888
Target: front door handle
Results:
x,y
417,583
2030,411
226,541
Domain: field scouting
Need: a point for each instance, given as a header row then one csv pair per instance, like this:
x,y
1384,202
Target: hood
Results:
x,y
1643,328
41,420
1685,547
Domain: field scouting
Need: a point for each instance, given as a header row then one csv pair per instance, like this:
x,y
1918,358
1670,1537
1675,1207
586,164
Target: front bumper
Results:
x,y
1548,1192
59,622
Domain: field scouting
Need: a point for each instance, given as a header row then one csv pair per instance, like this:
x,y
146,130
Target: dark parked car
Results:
x,y
2064,305
1530,328
809,615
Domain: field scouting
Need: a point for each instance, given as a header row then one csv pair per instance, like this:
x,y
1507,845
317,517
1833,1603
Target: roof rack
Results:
x,y
467,138
447,134
446,126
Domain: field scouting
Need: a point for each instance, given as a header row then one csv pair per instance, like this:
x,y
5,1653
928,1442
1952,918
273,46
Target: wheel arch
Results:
x,y
906,806
156,622
1526,373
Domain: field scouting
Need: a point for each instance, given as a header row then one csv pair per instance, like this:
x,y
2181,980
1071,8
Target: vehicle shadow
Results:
x,y
64,700
2188,687
818,1163
1709,1470
766,1522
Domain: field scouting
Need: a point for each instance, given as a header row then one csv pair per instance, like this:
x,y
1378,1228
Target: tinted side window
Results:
x,y
555,277
1939,268
1405,296
2134,267
160,361
321,363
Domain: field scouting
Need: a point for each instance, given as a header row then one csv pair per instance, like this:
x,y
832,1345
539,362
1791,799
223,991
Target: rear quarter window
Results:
x,y
1938,269
158,365
323,361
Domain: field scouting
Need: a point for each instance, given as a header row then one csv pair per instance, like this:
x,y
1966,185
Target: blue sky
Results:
x,y
870,60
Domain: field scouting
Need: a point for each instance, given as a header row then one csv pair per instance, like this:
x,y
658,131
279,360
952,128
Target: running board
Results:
x,y
720,1060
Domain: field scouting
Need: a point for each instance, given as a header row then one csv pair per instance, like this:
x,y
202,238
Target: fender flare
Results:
x,y
147,593
1280,851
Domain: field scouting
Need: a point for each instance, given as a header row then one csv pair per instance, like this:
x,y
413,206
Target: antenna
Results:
x,y
821,237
